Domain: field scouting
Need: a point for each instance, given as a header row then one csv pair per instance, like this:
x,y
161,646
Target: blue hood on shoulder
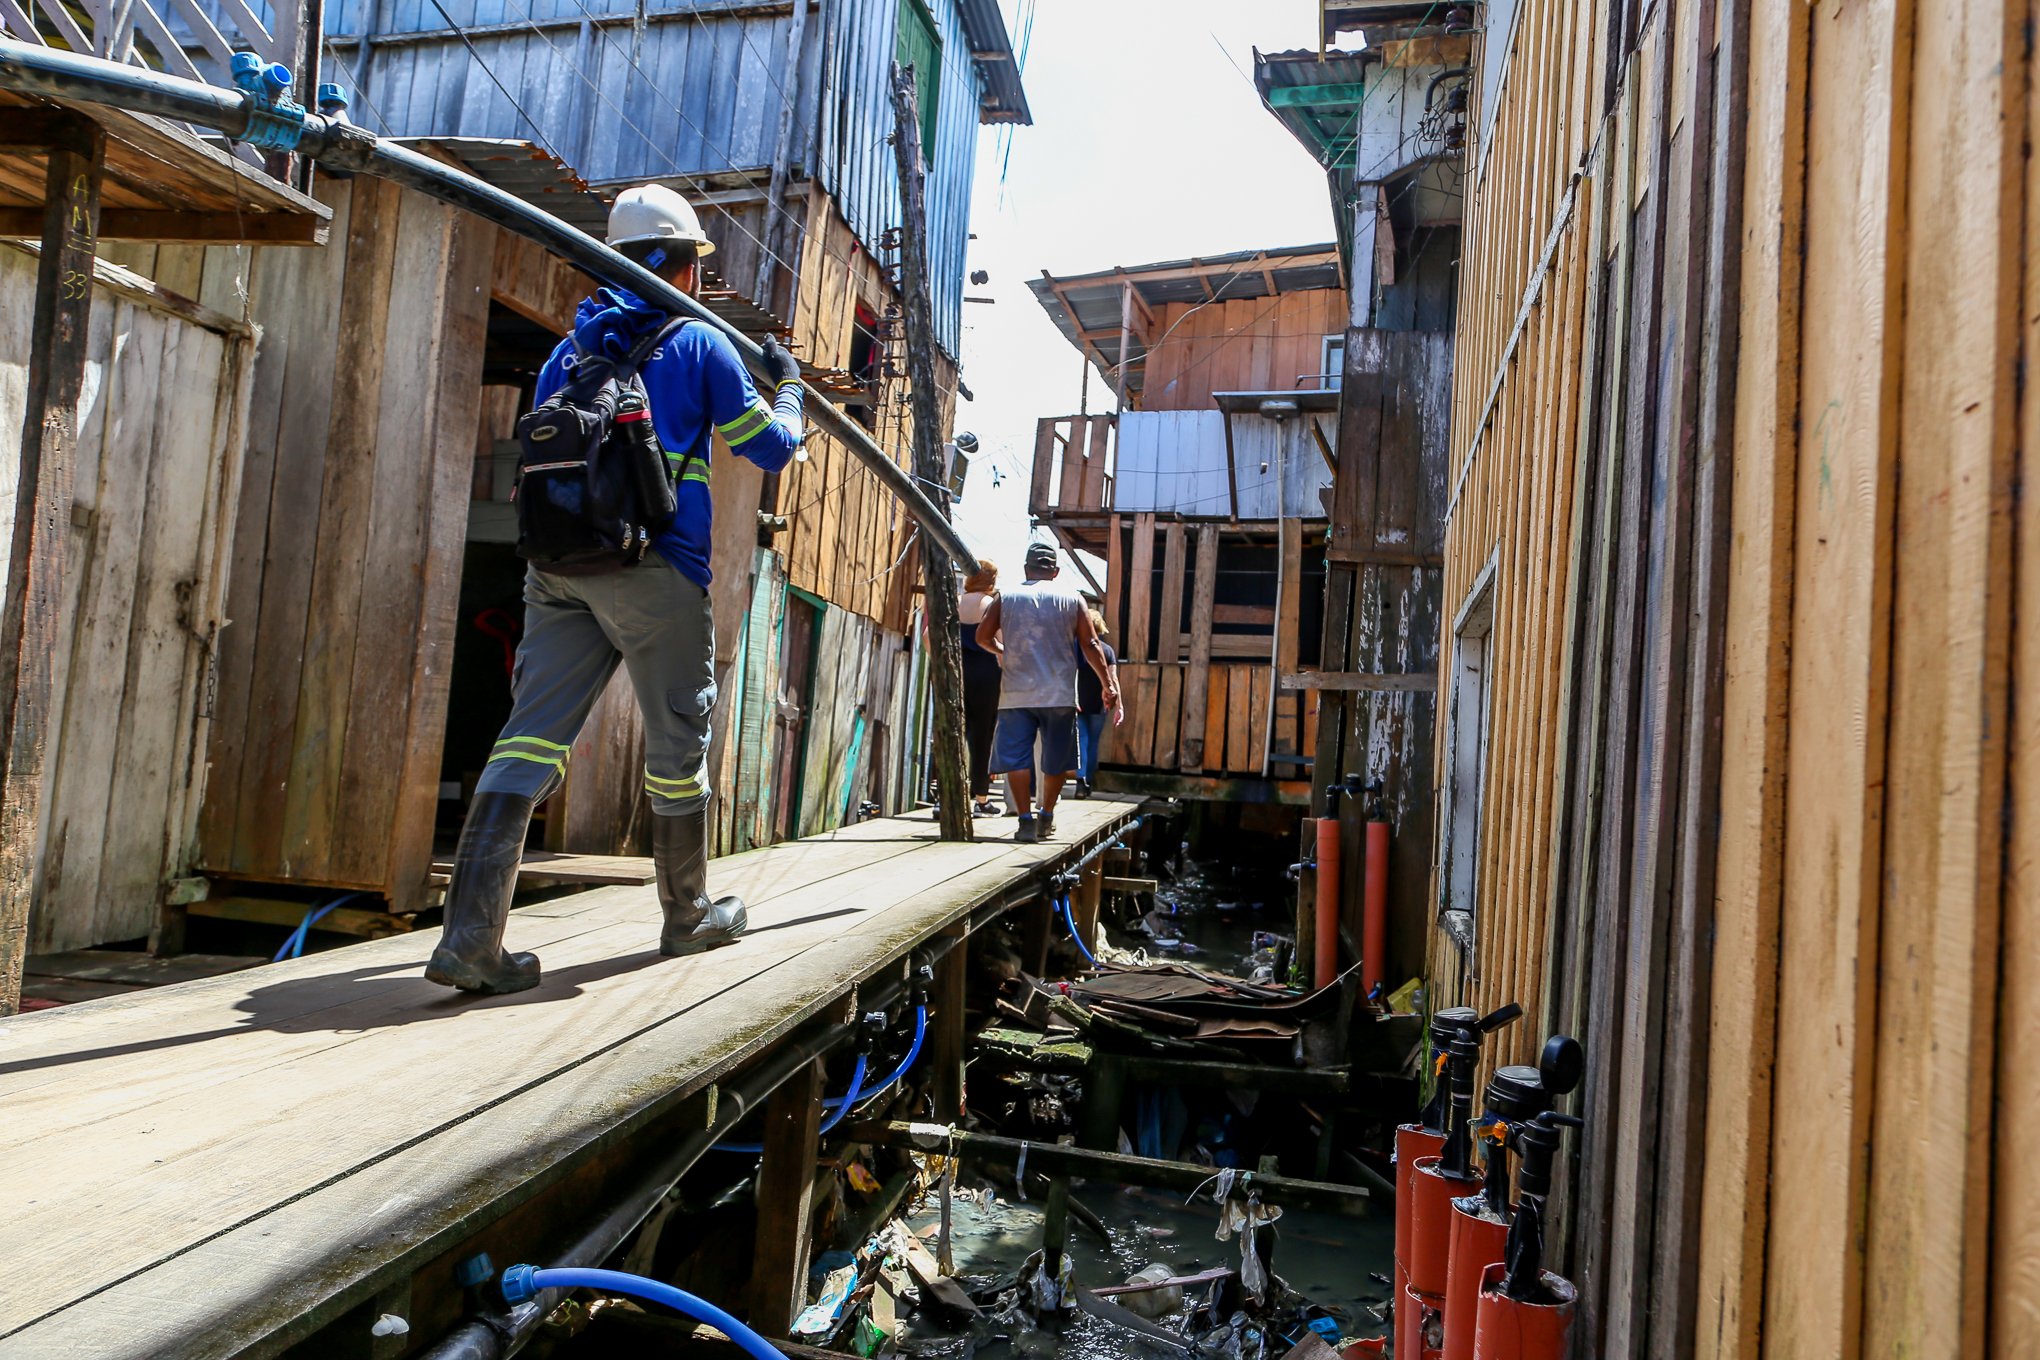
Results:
x,y
613,321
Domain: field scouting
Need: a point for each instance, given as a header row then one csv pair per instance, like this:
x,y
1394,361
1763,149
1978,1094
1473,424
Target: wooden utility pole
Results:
x,y
945,653
34,588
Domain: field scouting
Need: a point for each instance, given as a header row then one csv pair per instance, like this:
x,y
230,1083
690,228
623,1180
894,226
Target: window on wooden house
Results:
x,y
1466,770
867,364
920,46
1332,363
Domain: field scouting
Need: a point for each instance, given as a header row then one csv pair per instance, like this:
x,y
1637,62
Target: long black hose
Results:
x,y
28,68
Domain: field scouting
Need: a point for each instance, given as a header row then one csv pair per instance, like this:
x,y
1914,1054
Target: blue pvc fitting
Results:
x,y
835,1116
913,1052
521,1283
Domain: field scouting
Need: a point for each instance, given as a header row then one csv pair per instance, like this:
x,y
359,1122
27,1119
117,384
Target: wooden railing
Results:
x,y
1073,462
195,39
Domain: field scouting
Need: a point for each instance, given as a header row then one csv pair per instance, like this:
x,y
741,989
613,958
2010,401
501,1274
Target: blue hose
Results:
x,y
913,1052
293,946
1070,920
835,1118
521,1283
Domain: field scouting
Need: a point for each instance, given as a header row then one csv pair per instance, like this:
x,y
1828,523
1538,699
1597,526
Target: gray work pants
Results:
x,y
576,629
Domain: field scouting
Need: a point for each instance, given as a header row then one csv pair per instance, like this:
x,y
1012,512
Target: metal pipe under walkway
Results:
x,y
226,1166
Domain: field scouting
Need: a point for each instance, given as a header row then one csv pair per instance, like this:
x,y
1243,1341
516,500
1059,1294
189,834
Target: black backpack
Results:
x,y
593,487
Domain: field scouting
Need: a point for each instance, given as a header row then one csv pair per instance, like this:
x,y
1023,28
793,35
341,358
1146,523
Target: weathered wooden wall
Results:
x,y
1876,991
157,475
1750,821
1381,619
332,673
1251,345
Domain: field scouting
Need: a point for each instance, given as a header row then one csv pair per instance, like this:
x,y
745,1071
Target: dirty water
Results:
x,y
1327,1257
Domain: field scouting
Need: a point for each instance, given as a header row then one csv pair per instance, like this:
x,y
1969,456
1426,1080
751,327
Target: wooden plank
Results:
x,y
1933,1103
398,539
287,524
1288,640
1259,706
1364,682
1169,640
1168,716
786,1182
463,338
1039,489
333,601
157,226
1139,596
1216,706
40,517
1197,679
1096,479
1146,679
1242,720
1854,243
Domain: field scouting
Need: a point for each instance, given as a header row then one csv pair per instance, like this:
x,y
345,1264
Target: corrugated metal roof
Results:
x,y
1330,129
984,29
1086,307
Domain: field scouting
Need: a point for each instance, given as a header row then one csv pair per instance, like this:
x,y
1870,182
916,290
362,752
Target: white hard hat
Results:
x,y
652,212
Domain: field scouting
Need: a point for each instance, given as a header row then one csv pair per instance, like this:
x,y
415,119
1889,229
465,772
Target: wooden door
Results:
x,y
157,478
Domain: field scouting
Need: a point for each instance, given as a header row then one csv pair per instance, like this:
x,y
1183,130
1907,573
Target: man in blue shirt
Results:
x,y
652,618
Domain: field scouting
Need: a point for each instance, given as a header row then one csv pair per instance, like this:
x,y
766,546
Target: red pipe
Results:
x,y
1326,964
1431,1226
1374,925
1477,1243
1508,1329
1427,1332
1411,1142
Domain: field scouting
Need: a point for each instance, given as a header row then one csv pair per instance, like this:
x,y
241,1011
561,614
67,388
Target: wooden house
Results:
x,y
1737,772
356,670
1207,498
1380,121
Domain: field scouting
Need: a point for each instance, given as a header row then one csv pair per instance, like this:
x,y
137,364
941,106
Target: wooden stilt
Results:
x,y
786,1178
945,654
946,1037
34,589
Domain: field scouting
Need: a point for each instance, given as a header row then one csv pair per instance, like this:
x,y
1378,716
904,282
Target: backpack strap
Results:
x,y
645,347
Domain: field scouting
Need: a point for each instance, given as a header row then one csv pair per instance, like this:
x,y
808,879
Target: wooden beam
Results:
x,y
1365,682
786,1188
1197,680
1205,789
32,605
166,227
1094,1164
947,1038
1169,642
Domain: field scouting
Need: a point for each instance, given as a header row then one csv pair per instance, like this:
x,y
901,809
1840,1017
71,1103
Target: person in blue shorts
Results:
x,y
1031,629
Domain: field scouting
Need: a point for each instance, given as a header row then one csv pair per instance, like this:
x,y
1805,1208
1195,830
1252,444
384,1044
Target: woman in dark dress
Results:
x,y
1091,711
980,686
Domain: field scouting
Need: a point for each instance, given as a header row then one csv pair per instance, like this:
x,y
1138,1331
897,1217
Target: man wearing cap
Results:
x,y
653,618
1030,628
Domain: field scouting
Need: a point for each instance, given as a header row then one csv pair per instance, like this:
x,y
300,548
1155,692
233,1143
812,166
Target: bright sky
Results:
x,y
1148,143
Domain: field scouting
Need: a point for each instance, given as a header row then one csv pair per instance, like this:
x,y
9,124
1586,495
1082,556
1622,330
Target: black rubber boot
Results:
x,y
693,922
470,955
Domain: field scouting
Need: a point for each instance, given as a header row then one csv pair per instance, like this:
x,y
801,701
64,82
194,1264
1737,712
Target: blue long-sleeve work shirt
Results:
x,y
696,384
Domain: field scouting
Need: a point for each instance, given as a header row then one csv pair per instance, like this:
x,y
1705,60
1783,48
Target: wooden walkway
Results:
x,y
198,1169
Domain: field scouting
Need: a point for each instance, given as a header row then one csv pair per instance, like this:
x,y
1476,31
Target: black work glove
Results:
x,y
783,367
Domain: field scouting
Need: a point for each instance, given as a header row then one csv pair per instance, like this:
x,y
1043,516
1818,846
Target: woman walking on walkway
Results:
x,y
1092,711
980,685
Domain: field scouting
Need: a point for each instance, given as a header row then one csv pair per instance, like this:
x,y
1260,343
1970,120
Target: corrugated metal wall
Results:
x,y
857,164
623,93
